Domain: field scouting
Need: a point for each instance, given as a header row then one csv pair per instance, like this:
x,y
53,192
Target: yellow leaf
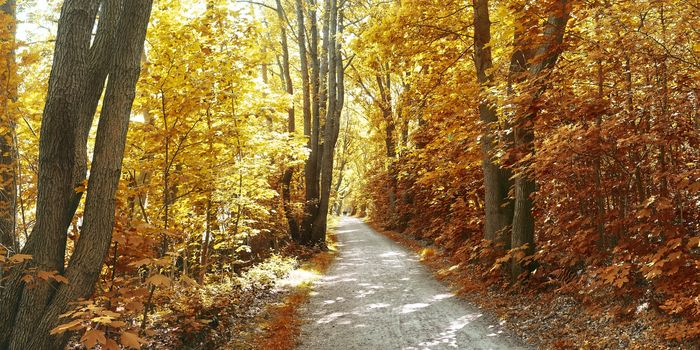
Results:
x,y
82,187
102,319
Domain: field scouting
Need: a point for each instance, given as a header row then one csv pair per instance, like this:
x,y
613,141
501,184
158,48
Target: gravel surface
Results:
x,y
377,295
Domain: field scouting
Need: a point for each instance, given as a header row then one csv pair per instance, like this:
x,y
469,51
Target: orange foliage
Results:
x,y
284,327
617,204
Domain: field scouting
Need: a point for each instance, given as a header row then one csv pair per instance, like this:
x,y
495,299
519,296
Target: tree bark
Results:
x,y
332,124
387,109
312,170
28,314
19,305
99,57
291,128
497,204
8,187
305,229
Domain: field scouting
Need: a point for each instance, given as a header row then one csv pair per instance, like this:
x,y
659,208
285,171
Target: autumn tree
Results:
x,y
30,312
322,88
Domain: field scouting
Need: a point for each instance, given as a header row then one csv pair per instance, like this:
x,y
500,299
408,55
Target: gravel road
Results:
x,y
377,295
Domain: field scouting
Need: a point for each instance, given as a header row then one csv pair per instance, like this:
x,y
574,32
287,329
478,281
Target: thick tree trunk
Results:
x,y
523,234
310,120
498,207
384,85
28,314
99,58
19,305
312,171
8,185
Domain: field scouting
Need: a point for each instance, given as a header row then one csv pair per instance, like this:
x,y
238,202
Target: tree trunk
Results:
x,y
384,85
332,124
8,189
291,128
22,306
28,314
308,90
497,204
204,259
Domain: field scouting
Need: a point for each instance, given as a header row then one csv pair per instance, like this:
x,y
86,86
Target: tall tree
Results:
x,y
28,314
321,71
8,191
291,127
497,205
336,96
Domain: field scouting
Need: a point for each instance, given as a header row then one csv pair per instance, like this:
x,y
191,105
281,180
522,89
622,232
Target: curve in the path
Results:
x,y
377,295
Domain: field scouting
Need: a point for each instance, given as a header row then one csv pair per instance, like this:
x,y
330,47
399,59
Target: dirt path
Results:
x,y
377,295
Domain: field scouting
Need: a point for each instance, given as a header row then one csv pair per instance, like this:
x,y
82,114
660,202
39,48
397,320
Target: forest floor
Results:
x,y
377,295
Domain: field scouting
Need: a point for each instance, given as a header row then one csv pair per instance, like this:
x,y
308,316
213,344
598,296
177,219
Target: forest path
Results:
x,y
377,295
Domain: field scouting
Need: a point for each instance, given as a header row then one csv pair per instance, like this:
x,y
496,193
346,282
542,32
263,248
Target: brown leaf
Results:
x,y
111,345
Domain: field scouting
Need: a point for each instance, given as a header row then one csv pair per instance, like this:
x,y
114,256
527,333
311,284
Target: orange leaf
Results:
x,y
131,340
92,338
134,306
140,262
117,324
694,242
60,278
66,326
20,258
159,280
